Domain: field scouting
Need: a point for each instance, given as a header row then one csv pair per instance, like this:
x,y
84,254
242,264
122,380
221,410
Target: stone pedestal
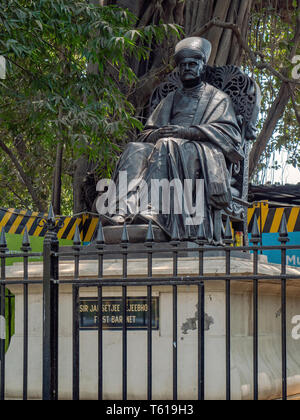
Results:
x,y
269,319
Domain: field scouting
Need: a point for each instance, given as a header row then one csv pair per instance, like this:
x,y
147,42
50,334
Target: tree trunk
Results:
x,y
80,171
275,113
56,185
82,164
38,202
82,167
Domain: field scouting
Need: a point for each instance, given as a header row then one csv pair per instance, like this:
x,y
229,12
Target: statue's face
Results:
x,y
191,69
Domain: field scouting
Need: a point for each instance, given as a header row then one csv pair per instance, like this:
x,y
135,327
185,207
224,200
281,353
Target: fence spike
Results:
x,y
255,234
51,215
175,237
3,243
201,236
228,231
25,241
125,237
100,240
150,234
283,231
77,239
228,240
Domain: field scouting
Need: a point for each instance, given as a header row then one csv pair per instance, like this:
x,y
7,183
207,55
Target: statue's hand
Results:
x,y
153,137
170,131
175,131
163,132
179,132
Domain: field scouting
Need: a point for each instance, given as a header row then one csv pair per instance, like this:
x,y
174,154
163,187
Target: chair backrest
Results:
x,y
242,89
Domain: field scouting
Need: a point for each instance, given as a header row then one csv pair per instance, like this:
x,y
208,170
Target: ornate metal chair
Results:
x,y
246,97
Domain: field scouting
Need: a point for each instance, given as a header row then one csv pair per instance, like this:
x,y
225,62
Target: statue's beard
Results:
x,y
189,83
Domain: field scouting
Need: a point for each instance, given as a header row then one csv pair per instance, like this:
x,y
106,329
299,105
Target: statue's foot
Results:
x,y
137,229
118,219
131,219
111,220
139,219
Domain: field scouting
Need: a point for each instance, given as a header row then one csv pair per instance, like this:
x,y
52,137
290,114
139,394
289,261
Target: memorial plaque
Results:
x,y
112,313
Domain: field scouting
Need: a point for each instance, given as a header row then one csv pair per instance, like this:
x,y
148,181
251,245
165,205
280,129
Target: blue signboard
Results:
x,y
293,256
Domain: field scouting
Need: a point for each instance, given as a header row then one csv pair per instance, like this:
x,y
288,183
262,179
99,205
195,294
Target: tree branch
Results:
x,y
146,86
261,65
26,179
23,203
275,113
295,106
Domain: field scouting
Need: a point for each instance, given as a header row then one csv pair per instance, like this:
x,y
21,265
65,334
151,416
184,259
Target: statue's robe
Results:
x,y
209,157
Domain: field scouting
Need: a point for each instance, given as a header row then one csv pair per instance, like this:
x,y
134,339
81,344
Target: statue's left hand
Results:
x,y
164,132
179,132
175,131
170,131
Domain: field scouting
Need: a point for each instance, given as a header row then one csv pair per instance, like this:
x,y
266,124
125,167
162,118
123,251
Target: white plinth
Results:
x,y
269,318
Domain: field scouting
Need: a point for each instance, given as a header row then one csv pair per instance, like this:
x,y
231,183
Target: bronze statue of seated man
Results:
x,y
192,135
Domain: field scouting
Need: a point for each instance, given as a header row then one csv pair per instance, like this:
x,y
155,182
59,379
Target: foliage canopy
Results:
x,y
66,61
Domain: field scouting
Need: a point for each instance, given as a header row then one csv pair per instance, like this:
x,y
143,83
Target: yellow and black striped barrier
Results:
x,y
14,221
269,219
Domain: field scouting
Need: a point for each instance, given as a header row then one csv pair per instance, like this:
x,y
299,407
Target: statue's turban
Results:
x,y
193,47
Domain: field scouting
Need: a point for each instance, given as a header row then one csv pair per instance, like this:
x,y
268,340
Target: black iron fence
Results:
x,y
51,284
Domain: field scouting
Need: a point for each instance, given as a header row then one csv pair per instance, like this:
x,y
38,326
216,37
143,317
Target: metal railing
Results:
x,y
51,285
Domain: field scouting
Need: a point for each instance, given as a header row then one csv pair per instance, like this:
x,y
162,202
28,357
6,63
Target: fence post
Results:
x,y
50,310
283,238
3,249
